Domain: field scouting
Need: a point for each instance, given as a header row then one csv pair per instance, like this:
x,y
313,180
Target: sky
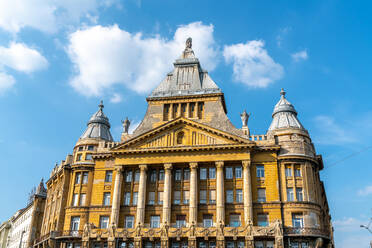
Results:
x,y
59,58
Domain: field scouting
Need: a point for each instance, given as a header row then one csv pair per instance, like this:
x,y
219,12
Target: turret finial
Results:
x,y
101,106
282,92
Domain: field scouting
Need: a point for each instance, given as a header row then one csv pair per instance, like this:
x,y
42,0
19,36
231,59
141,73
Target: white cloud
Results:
x,y
349,234
108,56
365,191
116,98
43,15
252,65
18,57
301,55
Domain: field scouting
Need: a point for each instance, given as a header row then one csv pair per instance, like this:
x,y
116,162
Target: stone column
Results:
x,y
167,204
247,191
115,209
220,203
193,207
140,218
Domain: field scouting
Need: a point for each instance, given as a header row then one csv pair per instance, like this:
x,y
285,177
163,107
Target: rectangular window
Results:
x,y
90,148
260,171
295,245
160,197
235,220
75,199
186,197
297,171
183,109
108,177
239,196
88,156
129,221
192,110
151,198
200,110
230,244
258,244
137,176
166,112
127,198
261,192
75,221
106,198
288,171
203,173
82,199
207,220
299,194
262,220
180,221
161,175
212,173
177,197
153,176
269,244
135,198
77,178
297,220
229,196
229,173
304,245
155,221
212,197
85,177
103,222
81,148
78,157
203,196
178,175
290,196
238,172
129,176
186,174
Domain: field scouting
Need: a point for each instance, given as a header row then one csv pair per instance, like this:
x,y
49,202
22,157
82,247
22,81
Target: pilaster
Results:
x,y
247,190
193,206
220,203
167,194
140,218
115,209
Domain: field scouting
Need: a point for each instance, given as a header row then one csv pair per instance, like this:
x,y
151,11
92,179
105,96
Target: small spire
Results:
x,y
101,106
282,92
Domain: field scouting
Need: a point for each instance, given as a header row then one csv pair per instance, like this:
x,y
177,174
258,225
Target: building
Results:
x,y
187,177
4,232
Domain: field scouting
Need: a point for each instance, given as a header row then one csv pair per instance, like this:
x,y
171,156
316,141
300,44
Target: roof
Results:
x,y
187,78
98,126
284,115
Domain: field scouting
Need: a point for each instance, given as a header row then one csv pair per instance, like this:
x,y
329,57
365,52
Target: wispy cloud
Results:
x,y
116,98
349,234
281,35
300,56
365,191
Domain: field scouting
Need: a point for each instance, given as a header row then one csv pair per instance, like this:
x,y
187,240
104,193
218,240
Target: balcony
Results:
x,y
306,231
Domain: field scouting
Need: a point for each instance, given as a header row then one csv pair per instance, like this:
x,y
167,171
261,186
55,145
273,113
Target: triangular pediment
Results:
x,y
181,132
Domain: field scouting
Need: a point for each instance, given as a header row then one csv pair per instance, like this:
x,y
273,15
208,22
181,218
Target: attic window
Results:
x,y
180,136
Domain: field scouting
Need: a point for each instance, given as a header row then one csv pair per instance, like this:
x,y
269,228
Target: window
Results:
x,y
192,110
186,197
262,220
202,244
229,196
160,197
77,178
106,198
88,156
155,221
297,171
178,175
261,192
75,198
297,220
200,110
82,199
103,222
239,196
135,198
127,198
129,221
75,221
207,220
240,244
295,245
235,220
85,177
238,172
78,157
203,173
186,174
212,173
212,197
229,173
177,197
175,245
304,245
288,171
258,244
260,171
90,148
290,196
203,196
108,177
81,148
129,176
153,176
299,194
151,198
161,175
137,176
180,221
166,112
230,244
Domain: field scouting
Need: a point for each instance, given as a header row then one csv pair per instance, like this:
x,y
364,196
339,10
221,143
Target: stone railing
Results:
x,y
104,145
69,233
261,137
306,231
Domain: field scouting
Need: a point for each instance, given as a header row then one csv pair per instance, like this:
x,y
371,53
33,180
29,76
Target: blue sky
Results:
x,y
59,58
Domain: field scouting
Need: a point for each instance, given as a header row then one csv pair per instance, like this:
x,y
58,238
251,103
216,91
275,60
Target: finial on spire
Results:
x,y
101,106
189,43
282,92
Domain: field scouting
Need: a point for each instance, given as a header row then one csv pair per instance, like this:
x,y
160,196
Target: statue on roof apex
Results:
x,y
126,124
189,43
244,116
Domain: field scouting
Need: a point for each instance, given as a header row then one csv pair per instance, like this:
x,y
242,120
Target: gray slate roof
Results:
x,y
284,115
98,126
